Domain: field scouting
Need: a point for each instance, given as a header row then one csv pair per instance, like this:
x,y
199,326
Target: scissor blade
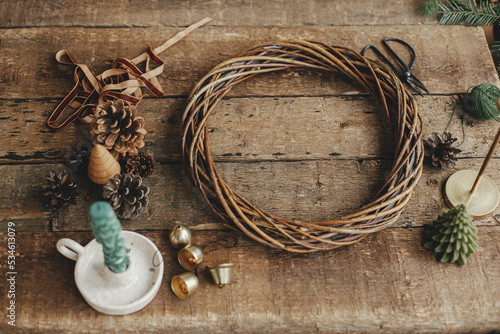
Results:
x,y
416,84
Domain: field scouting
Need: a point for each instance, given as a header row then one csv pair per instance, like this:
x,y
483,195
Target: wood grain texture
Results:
x,y
445,68
249,129
137,13
300,144
386,284
306,190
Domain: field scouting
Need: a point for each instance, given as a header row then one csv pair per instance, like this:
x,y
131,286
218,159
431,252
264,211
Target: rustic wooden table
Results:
x,y
301,144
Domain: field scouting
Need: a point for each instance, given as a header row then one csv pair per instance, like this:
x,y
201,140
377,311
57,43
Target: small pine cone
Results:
x,y
141,164
127,194
79,157
452,237
60,190
439,151
116,126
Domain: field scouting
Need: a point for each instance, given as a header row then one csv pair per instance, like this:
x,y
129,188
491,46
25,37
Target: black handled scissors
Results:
x,y
405,74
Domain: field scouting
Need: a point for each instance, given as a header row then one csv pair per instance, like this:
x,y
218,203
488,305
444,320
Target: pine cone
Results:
x,y
60,190
79,157
439,151
116,126
127,194
452,237
141,164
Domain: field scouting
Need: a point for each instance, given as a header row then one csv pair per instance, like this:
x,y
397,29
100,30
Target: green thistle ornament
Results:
x,y
452,237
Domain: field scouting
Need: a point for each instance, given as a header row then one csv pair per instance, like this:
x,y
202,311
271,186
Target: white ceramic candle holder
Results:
x,y
116,293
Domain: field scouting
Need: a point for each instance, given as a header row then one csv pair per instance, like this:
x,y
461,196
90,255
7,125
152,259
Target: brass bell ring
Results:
x,y
221,273
180,236
190,257
185,284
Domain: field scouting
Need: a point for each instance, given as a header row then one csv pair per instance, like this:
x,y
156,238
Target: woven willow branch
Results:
x,y
293,235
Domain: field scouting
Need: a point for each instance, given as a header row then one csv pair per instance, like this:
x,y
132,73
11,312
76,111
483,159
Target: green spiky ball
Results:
x,y
452,237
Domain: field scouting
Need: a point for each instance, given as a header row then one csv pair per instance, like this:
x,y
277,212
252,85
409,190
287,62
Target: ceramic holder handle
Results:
x,y
70,248
111,292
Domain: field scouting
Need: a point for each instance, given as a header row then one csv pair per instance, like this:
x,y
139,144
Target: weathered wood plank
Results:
x,y
21,198
224,13
443,64
305,190
248,129
345,127
386,283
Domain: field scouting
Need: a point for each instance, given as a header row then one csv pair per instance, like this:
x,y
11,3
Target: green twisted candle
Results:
x,y
106,228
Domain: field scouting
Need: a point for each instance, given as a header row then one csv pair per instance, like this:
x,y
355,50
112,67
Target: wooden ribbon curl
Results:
x,y
123,81
288,234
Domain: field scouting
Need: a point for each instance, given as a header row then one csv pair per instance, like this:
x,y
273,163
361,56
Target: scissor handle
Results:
x,y
407,67
381,56
405,74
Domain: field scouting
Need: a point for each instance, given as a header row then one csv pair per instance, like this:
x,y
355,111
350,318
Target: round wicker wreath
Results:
x,y
288,234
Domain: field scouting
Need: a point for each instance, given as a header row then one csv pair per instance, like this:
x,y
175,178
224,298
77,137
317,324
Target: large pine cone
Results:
x,y
127,194
141,164
116,126
60,190
439,151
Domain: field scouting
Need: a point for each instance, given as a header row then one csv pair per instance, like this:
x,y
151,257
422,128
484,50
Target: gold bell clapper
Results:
x,y
190,257
221,273
180,236
476,190
185,284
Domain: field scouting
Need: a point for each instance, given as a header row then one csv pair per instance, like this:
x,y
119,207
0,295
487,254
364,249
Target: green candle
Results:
x,y
106,228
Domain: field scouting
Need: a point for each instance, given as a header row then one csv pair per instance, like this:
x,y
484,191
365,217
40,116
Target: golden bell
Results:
x,y
102,165
221,273
190,257
180,236
184,285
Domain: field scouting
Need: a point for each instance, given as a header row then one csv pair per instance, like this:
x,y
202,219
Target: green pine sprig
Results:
x,y
430,7
495,49
458,11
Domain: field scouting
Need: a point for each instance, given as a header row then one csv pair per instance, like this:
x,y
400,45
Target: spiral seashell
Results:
x,y
102,165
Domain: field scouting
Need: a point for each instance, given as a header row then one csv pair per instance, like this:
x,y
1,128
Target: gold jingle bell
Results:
x,y
184,285
180,236
190,257
221,273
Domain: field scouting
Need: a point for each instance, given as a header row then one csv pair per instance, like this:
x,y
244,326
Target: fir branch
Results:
x,y
454,13
430,7
489,15
458,11
495,49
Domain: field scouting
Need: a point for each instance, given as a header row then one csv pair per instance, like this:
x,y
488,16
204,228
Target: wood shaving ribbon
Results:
x,y
123,81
